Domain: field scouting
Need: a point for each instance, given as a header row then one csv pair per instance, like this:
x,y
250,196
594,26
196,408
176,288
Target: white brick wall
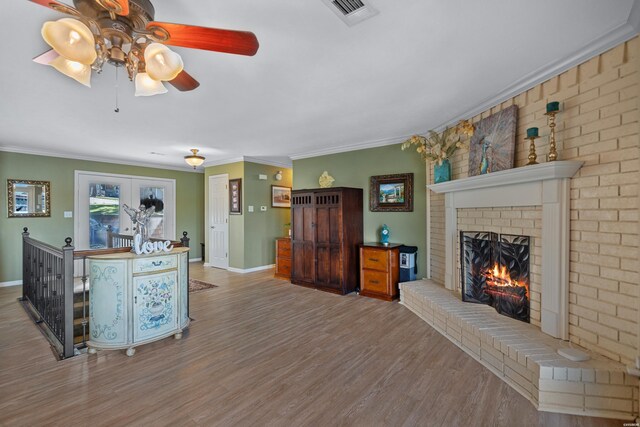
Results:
x,y
597,124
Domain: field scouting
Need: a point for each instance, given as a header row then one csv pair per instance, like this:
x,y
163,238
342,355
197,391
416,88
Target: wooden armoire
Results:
x,y
326,225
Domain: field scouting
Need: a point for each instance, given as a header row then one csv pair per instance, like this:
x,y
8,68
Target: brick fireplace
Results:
x,y
545,185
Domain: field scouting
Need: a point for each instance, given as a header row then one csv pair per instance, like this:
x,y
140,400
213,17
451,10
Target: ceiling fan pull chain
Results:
x,y
117,110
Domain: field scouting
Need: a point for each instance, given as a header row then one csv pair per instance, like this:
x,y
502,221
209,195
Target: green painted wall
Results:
x,y
252,234
261,228
354,168
236,222
60,172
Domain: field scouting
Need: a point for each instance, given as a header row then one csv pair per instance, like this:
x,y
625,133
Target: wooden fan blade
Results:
x,y
46,58
217,40
57,6
184,82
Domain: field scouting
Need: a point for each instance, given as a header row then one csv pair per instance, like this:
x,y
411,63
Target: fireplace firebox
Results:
x,y
495,271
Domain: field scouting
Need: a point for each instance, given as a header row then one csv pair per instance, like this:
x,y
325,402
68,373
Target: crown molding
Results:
x,y
259,160
619,34
45,153
219,162
350,147
270,162
613,38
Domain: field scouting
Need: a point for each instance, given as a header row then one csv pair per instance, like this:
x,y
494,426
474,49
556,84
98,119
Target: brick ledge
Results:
x,y
524,357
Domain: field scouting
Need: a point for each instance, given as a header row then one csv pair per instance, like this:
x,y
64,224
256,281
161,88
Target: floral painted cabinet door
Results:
x,y
155,309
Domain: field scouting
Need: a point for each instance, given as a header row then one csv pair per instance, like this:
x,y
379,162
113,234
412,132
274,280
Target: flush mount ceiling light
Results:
x,y
194,159
123,33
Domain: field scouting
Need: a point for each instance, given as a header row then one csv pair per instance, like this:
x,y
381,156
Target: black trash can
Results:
x,y
408,267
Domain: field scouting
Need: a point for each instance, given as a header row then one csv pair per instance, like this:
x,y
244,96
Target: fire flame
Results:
x,y
498,276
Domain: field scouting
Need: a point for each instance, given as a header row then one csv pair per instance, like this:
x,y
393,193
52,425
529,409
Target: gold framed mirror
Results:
x,y
28,198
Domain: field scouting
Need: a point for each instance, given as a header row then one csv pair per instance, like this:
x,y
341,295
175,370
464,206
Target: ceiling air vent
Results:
x,y
351,12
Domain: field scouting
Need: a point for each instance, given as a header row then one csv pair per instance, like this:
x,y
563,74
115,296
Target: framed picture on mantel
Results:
x,y
235,196
391,193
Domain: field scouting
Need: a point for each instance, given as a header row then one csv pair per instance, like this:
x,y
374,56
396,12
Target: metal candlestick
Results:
x,y
532,150
553,154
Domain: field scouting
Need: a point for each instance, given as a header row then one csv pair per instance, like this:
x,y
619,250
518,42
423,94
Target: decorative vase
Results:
x,y
384,234
442,172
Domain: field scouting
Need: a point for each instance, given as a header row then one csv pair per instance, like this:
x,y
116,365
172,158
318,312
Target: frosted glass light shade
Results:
x,y
146,86
71,39
77,71
161,62
194,159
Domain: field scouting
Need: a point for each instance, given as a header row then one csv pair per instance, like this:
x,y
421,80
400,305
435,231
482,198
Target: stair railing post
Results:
x,y
67,262
25,264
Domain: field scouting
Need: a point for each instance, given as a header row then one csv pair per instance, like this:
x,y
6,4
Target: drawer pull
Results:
x,y
374,260
374,281
156,263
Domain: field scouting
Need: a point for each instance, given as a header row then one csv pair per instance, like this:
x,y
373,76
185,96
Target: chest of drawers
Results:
x,y
379,270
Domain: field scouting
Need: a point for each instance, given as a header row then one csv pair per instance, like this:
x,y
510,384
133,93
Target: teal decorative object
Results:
x,y
384,234
442,172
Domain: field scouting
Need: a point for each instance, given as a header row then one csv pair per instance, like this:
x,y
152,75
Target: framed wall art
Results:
x,y
235,196
391,193
280,196
493,143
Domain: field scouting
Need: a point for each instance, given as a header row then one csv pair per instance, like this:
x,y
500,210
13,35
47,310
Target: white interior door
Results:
x,y
218,221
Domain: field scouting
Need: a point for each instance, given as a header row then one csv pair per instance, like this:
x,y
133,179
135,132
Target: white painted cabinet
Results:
x,y
137,299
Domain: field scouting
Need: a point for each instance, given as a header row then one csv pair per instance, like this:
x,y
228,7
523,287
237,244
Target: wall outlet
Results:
x,y
263,208
250,208
68,214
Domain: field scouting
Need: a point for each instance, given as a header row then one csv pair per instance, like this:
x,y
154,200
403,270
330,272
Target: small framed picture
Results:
x,y
391,193
235,196
280,196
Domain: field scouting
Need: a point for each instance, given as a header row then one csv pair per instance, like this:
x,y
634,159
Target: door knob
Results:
x,y
213,226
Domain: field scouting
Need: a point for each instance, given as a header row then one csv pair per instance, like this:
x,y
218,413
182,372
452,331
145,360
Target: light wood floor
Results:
x,y
263,352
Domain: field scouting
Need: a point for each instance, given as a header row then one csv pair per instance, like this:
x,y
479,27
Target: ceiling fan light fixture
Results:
x,y
162,63
70,38
76,70
146,86
194,159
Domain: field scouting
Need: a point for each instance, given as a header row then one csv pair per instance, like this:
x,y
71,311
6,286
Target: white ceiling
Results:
x,y
315,86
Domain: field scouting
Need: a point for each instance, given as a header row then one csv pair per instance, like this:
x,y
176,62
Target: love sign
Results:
x,y
141,247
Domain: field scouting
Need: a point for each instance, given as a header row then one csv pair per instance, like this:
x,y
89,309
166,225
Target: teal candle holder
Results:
x,y
532,133
553,106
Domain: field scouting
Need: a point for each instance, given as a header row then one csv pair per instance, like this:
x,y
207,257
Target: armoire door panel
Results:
x,y
335,225
323,265
309,225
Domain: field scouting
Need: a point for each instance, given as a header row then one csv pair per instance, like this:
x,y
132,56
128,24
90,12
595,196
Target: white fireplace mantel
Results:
x,y
545,185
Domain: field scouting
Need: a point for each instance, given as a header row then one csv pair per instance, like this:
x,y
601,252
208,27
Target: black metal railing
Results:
x,y
48,285
47,288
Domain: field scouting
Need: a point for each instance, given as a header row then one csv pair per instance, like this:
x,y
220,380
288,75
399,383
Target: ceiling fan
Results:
x,y
124,33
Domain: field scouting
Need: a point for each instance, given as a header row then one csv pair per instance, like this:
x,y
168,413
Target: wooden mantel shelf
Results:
x,y
540,172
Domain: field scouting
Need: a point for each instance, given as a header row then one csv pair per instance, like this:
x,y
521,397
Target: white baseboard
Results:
x,y
195,259
250,270
11,283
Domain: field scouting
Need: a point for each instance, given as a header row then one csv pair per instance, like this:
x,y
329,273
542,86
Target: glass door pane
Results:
x,y
104,212
161,194
154,196
99,205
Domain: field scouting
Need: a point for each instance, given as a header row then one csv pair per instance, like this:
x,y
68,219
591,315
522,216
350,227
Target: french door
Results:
x,y
98,205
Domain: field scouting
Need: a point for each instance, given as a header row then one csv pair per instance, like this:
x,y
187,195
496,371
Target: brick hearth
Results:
x,y
524,357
